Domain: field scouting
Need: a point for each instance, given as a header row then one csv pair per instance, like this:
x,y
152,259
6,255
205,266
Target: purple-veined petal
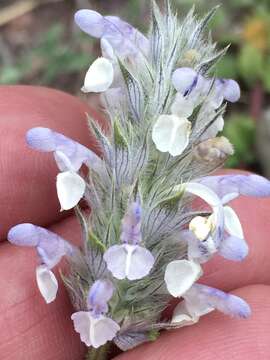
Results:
x,y
233,248
47,283
198,251
248,185
184,80
47,140
99,76
128,261
180,275
171,134
99,295
131,224
226,303
94,332
50,247
70,189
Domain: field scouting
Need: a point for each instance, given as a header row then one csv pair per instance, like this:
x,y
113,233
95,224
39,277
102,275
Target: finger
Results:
x,y
27,177
31,329
216,336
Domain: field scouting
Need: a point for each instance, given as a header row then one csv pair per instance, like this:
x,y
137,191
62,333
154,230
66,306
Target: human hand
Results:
x,y
32,330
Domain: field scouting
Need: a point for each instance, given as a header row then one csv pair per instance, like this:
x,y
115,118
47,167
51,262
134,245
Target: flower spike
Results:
x,y
146,236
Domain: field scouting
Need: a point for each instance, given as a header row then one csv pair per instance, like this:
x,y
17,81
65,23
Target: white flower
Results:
x,y
70,189
94,331
171,134
187,313
180,275
47,283
99,76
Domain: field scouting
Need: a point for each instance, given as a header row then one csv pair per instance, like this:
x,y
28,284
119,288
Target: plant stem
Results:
x,y
100,353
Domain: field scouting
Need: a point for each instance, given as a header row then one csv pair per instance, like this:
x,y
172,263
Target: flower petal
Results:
x,y
44,139
131,261
183,79
131,224
180,275
50,247
232,223
214,129
25,234
233,248
171,134
70,189
91,22
124,38
226,303
100,293
182,106
248,185
103,329
189,312
47,283
141,263
99,76
182,317
115,258
82,325
94,332
231,90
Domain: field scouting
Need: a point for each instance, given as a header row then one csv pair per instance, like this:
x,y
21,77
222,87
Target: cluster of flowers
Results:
x,y
131,259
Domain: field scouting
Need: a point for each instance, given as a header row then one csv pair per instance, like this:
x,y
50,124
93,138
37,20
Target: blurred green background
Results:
x,y
40,45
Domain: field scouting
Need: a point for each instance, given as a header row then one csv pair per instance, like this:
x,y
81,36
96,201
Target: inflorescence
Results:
x,y
145,238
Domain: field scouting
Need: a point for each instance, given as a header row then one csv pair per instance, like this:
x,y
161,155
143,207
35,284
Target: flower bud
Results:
x,y
218,148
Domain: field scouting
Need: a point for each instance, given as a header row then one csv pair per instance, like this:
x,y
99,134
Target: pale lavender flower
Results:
x,y
50,248
130,260
47,140
69,156
209,297
194,88
229,186
124,39
94,328
231,243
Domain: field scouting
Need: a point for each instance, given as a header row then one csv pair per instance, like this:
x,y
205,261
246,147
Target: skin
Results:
x,y
30,329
